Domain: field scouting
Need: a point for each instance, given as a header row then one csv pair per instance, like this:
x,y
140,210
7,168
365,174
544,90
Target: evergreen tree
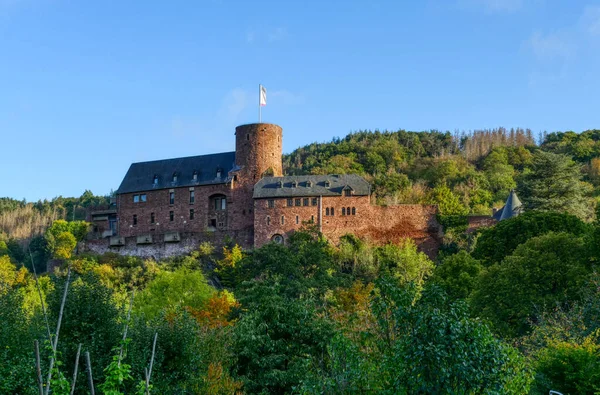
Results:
x,y
554,184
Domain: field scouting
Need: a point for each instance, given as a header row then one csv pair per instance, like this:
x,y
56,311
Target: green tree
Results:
x,y
404,262
554,184
448,203
457,275
171,290
499,241
543,272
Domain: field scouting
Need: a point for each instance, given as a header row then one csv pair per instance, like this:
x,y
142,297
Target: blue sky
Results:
x,y
87,87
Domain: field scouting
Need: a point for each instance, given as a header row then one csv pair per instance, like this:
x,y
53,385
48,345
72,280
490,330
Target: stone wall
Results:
x,y
377,224
160,249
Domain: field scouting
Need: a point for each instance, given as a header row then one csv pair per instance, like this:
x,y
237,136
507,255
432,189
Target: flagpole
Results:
x,y
259,106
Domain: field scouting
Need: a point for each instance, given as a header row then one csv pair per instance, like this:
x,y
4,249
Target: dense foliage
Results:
x,y
511,309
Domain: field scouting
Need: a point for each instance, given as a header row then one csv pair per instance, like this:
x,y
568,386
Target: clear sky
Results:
x,y
87,87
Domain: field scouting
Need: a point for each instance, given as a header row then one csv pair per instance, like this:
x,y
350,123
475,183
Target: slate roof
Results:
x,y
277,187
140,175
512,207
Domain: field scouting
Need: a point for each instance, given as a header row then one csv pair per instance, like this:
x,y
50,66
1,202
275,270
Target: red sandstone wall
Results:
x,y
378,224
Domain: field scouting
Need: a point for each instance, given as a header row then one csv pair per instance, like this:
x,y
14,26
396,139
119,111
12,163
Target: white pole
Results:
x,y
259,106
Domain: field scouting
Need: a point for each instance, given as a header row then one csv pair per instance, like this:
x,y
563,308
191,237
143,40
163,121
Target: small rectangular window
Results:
x,y
171,216
297,220
305,202
282,220
192,197
298,202
290,202
343,211
312,219
171,197
152,218
134,219
327,211
271,203
143,197
268,220
353,210
314,201
136,198
191,213
332,212
348,192
223,204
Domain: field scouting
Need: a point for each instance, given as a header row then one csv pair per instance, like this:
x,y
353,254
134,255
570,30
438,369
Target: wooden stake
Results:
x,y
55,343
38,367
89,371
37,284
75,370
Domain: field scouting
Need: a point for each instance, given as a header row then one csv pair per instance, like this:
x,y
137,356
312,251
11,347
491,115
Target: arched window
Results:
x,y
332,212
353,210
277,238
327,211
343,211
348,210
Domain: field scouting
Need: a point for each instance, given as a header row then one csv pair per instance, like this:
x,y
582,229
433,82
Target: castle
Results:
x,y
168,206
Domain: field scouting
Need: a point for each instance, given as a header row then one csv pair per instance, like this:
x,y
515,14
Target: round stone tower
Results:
x,y
258,150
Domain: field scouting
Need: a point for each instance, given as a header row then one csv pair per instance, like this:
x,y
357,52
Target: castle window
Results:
x,y
271,203
282,220
353,210
152,218
332,212
136,198
134,219
305,202
174,177
297,220
195,176
298,202
308,184
248,136
191,213
343,211
327,211
155,180
171,197
290,202
277,239
171,216
268,220
220,202
280,184
143,197
348,210
347,192
312,219
327,184
192,197
314,201
219,173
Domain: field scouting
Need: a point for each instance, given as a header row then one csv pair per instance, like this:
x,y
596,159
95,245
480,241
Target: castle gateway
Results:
x,y
243,196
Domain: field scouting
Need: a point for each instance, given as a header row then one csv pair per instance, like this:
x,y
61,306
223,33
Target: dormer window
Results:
x,y
294,184
327,184
219,172
155,180
279,184
174,177
348,191
195,176
308,184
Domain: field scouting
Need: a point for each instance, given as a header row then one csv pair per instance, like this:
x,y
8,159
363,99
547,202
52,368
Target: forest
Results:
x,y
509,309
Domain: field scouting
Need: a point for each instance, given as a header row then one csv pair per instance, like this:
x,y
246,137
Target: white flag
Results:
x,y
263,96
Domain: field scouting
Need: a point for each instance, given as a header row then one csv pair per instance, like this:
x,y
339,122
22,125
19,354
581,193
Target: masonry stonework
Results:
x,y
244,196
